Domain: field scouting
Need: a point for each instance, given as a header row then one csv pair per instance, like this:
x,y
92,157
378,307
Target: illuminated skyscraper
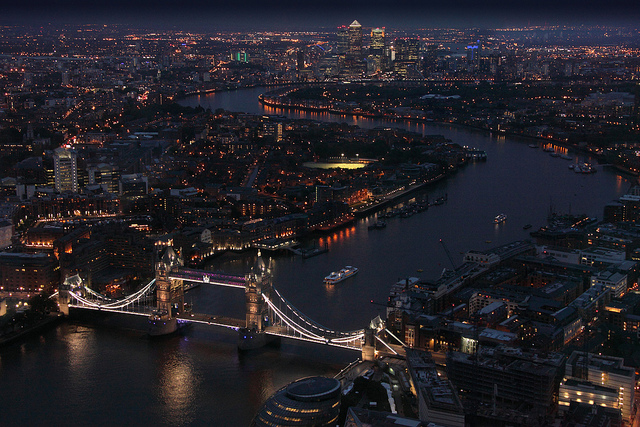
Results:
x,y
376,60
240,56
473,56
377,41
354,51
343,41
65,168
353,64
407,56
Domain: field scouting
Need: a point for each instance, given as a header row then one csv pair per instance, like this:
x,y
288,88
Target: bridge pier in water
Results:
x,y
268,315
369,345
257,284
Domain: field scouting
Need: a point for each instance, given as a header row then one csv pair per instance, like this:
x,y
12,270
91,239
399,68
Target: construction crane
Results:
x,y
448,254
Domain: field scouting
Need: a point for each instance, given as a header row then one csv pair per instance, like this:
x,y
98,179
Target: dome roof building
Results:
x,y
313,401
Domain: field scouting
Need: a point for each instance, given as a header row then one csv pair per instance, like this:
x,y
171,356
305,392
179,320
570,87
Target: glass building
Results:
x,y
309,401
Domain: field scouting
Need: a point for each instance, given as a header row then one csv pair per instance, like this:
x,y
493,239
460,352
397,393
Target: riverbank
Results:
x,y
232,89
327,107
390,198
43,325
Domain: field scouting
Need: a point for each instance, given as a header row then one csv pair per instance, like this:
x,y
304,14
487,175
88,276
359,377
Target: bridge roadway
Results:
x,y
208,277
209,319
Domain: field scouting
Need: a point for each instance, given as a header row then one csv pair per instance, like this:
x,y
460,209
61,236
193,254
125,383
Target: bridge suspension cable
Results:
x,y
290,323
354,340
312,323
114,305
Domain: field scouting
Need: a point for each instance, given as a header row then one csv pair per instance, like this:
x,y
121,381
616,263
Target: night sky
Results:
x,y
304,14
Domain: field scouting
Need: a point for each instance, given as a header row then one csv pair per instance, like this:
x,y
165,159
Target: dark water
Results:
x,y
93,376
517,180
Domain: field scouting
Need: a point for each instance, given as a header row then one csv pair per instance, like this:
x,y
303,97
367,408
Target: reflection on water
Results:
x,y
620,181
113,377
521,182
330,289
177,387
80,354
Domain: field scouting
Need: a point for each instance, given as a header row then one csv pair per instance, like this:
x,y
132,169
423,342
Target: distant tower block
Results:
x,y
65,167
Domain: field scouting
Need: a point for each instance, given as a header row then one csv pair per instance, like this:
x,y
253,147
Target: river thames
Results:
x,y
81,375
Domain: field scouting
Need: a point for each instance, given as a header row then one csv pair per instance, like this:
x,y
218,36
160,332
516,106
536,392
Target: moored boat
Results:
x,y
584,168
377,225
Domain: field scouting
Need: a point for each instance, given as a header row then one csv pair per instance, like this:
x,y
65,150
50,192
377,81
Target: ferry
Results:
x,y
500,218
339,276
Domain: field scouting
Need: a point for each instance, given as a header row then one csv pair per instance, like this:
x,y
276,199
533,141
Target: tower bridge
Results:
x,y
268,315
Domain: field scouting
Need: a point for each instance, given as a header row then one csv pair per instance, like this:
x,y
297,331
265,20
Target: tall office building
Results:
x,y
430,59
343,41
353,64
473,56
376,60
377,41
354,51
65,169
407,55
300,65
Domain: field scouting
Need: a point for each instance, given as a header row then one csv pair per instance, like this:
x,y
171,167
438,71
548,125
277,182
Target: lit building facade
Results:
x,y
407,56
65,168
376,60
596,374
511,375
354,50
21,272
313,401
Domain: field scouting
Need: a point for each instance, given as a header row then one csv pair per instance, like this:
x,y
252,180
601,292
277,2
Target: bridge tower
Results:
x,y
257,283
369,345
169,295
71,282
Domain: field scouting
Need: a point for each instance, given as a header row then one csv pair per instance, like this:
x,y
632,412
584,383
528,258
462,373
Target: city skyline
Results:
x,y
424,198
285,14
